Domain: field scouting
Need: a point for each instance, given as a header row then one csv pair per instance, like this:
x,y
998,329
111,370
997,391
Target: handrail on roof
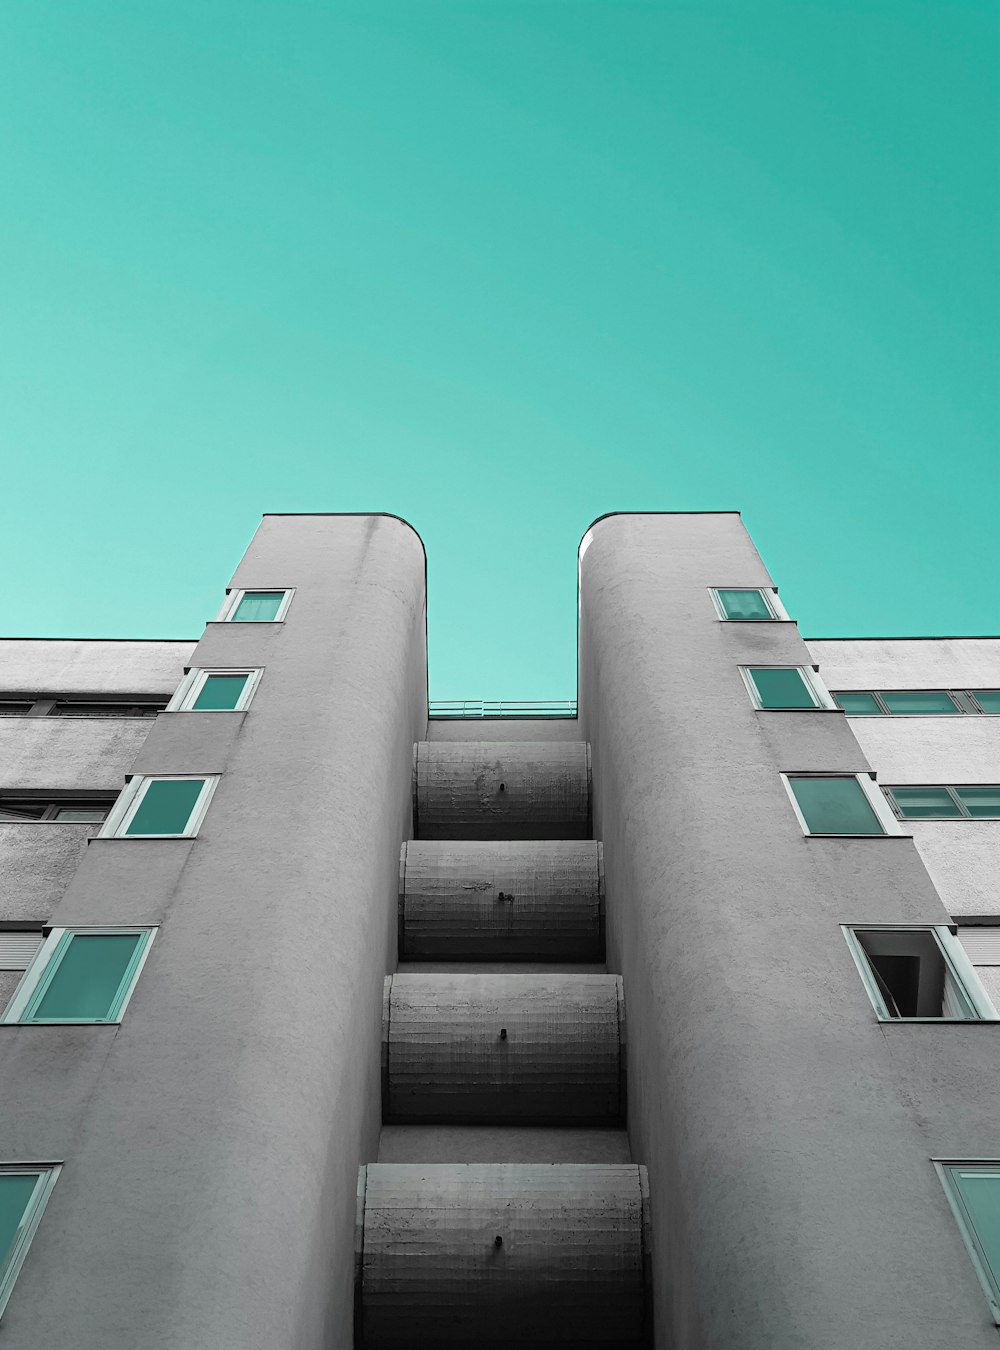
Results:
x,y
477,707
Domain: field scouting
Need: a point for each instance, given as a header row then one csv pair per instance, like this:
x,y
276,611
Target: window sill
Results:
x,y
894,835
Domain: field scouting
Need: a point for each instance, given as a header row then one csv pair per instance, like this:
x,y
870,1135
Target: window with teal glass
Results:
x,y
255,606
746,603
220,693
161,808
988,699
839,804
912,702
944,802
858,704
785,687
973,1191
24,1189
81,975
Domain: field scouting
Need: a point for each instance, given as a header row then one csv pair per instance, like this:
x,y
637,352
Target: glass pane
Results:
x,y
166,806
926,701
981,802
744,605
220,692
981,1193
927,802
88,977
858,705
835,806
258,606
782,688
81,813
23,810
988,699
16,1190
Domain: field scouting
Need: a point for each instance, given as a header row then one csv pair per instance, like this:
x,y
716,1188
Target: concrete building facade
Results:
x,y
326,1022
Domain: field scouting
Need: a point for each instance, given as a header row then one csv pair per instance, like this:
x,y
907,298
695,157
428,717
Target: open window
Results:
x,y
756,604
918,974
255,606
24,1189
161,808
80,975
215,690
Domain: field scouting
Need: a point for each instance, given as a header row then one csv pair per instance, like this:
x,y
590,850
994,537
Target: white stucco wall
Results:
x,y
77,665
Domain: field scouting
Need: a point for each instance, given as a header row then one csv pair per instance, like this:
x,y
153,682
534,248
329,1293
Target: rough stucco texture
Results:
x,y
788,1137
76,666
212,1141
37,862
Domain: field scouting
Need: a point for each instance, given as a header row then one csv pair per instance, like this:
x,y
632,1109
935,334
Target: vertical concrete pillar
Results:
x,y
212,1141
787,1134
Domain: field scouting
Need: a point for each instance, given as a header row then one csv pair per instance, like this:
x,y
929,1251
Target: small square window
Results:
x,y
81,975
844,804
924,803
973,1191
858,704
255,606
918,974
785,687
161,808
749,604
988,699
215,691
912,703
24,1190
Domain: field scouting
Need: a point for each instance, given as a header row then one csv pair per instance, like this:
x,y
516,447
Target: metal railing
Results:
x,y
477,707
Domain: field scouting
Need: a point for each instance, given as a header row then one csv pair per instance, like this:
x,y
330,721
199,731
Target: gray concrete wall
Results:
x,y
82,666
963,856
788,1135
68,753
37,862
503,729
212,1141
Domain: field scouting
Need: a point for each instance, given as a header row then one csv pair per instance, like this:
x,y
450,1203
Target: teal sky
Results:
x,y
499,267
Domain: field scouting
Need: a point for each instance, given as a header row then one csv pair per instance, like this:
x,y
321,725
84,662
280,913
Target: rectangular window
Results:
x,y
81,975
913,702
973,1191
756,604
161,808
987,699
946,803
785,687
844,804
24,1190
216,690
67,810
918,974
858,704
255,606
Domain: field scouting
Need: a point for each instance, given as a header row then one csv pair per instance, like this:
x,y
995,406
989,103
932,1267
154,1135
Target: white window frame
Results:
x,y
48,1174
770,597
233,598
955,958
822,698
186,693
42,968
121,814
876,799
963,1219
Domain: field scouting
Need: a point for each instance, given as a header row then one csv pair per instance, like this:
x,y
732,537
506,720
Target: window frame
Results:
x,y
12,1260
44,966
52,805
233,598
195,679
823,701
122,813
876,800
956,960
769,594
945,1168
952,789
965,702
